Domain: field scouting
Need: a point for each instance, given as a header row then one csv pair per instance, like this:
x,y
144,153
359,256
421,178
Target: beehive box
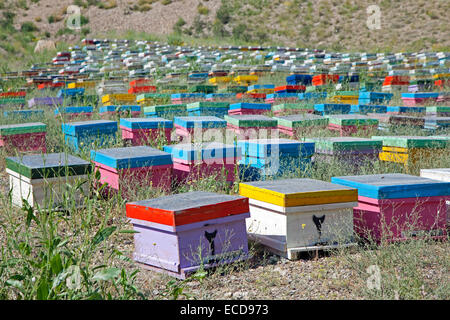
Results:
x,y
294,215
249,126
180,233
442,174
248,108
201,160
408,150
125,168
347,124
144,131
42,179
24,137
197,125
89,134
74,112
297,124
45,101
262,158
396,207
279,109
132,110
217,109
166,111
329,108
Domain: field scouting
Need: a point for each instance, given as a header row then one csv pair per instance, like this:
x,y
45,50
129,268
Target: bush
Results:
x,y
223,14
28,26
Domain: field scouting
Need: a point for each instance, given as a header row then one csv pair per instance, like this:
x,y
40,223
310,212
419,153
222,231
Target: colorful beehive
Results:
x,y
366,97
438,111
220,80
141,86
13,98
347,124
290,89
86,135
74,112
203,88
299,79
178,234
289,97
249,126
125,168
246,79
23,137
179,98
261,88
419,98
350,97
166,111
436,123
23,114
118,99
312,96
145,131
324,79
442,174
332,108
395,207
299,124
201,160
248,108
287,108
197,125
408,150
63,93
45,101
43,179
352,151
406,110
150,99
294,215
365,109
83,84
263,158
217,109
132,110
221,97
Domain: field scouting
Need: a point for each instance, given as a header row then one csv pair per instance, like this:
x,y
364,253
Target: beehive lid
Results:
x,y
344,143
411,141
246,105
186,208
146,123
165,108
202,151
394,186
21,128
131,157
301,120
251,120
261,148
297,192
200,122
50,165
351,120
89,127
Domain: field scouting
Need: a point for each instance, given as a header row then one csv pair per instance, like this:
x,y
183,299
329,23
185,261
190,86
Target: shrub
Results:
x,y
28,26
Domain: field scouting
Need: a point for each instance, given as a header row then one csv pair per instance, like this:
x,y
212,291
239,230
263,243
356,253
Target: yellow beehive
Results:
x,y
245,79
84,84
217,80
125,97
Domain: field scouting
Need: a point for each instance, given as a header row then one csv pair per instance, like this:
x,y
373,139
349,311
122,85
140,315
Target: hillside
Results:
x,y
330,24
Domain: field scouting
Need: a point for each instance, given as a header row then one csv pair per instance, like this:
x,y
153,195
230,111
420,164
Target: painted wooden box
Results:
x,y
42,179
195,161
264,158
293,215
249,108
71,113
442,174
166,111
208,108
347,124
144,131
251,126
131,110
190,126
396,207
292,108
89,134
180,233
295,125
23,137
330,108
125,168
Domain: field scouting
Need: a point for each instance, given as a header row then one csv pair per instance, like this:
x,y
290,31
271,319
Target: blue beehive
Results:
x,y
200,122
273,157
73,110
23,114
124,108
70,92
89,134
332,108
294,79
364,108
247,105
367,97
312,95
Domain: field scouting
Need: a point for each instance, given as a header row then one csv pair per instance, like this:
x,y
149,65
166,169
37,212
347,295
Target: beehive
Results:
x,y
89,134
293,215
144,131
396,207
23,137
180,233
